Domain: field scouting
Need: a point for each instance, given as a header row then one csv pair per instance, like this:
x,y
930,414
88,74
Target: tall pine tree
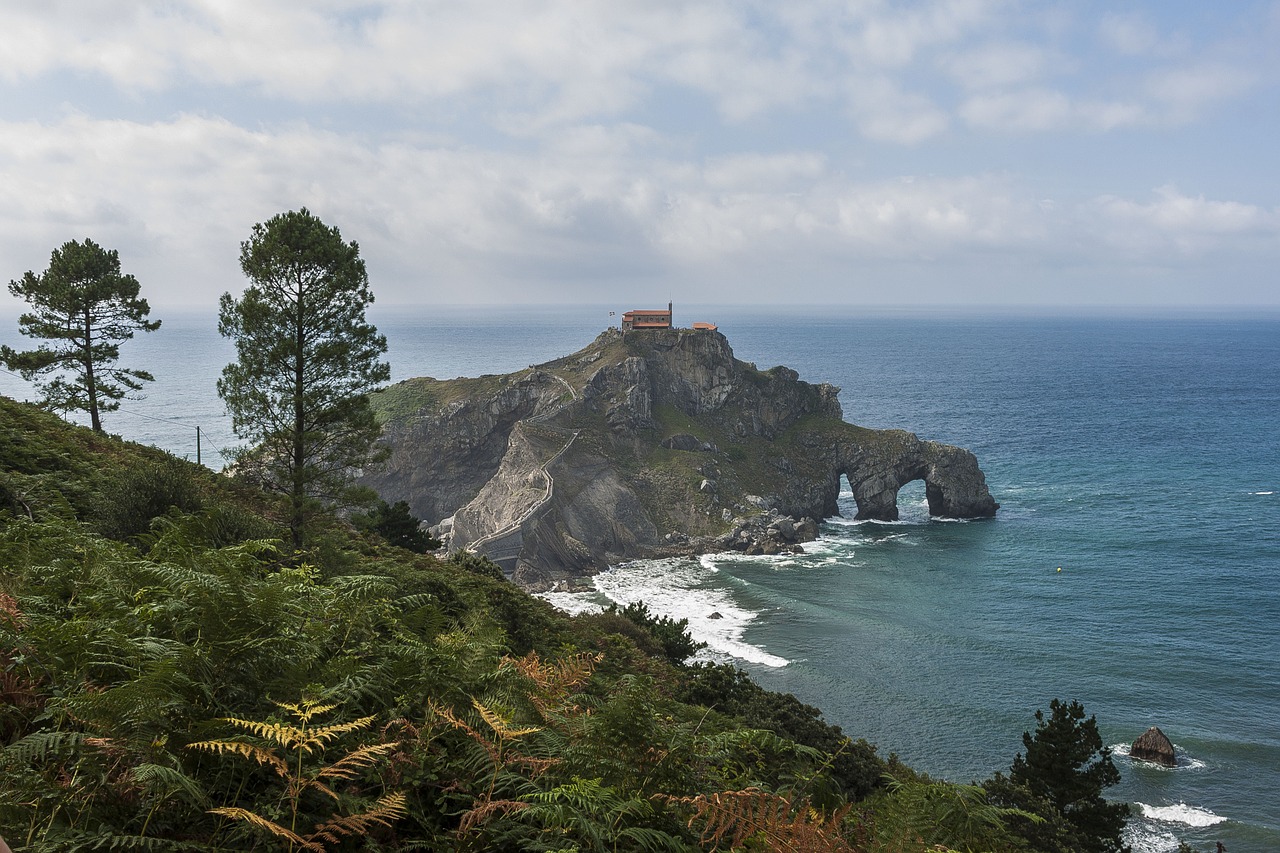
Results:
x,y
306,359
1061,778
82,307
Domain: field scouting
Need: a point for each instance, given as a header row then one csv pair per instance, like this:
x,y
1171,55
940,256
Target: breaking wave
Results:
x,y
677,588
1181,813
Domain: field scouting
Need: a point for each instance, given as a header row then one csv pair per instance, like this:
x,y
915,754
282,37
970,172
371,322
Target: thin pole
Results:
x,y
197,445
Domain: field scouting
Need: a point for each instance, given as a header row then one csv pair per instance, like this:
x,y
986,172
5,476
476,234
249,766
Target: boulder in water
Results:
x,y
1154,746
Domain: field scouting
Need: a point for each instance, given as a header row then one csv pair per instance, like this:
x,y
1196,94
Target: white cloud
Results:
x,y
515,147
998,64
1185,224
1186,91
886,113
1129,34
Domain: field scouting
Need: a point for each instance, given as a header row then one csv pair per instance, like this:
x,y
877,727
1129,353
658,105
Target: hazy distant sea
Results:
x,y
1142,456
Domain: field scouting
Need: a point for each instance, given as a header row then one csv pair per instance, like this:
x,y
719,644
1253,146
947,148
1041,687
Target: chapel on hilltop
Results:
x,y
647,319
656,318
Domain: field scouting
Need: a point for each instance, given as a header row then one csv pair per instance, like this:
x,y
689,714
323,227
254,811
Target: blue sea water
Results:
x,y
1141,456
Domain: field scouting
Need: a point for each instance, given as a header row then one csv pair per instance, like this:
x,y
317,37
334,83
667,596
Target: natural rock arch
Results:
x,y
954,484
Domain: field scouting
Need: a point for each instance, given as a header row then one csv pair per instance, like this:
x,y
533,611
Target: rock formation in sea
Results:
x,y
649,443
1154,746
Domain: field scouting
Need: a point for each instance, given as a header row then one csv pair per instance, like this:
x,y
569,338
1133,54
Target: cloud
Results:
x,y
1129,34
1188,225
605,205
999,64
1044,110
1185,92
553,148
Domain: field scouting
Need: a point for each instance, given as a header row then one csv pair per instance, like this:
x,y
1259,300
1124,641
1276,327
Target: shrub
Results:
x,y
394,523
671,635
130,499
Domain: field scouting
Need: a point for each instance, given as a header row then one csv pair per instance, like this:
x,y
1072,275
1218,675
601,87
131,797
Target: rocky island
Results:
x,y
646,443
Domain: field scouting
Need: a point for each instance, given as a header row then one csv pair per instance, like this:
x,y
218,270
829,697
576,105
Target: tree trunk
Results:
x,y
299,424
90,385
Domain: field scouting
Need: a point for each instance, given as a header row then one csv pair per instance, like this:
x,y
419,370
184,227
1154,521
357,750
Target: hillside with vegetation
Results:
x,y
174,676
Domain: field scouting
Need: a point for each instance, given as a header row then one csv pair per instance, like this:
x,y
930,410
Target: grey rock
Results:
x,y
683,441
548,471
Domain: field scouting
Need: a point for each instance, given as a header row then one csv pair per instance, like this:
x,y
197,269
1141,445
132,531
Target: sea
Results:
x,y
1134,564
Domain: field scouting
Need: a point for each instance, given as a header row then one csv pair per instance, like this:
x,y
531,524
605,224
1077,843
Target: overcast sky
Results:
x,y
976,152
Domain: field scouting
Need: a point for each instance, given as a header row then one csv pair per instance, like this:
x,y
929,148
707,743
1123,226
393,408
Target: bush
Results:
x,y
129,499
394,523
670,634
856,766
477,565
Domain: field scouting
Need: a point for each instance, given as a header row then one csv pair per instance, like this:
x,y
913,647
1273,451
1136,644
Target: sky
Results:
x,y
807,152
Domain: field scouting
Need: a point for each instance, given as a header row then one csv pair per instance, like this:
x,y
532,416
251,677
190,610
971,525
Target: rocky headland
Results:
x,y
647,443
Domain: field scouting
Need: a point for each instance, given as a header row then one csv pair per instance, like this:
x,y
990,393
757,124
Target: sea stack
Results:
x,y
1154,746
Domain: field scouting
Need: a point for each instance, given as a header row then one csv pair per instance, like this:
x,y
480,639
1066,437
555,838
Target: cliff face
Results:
x,y
655,442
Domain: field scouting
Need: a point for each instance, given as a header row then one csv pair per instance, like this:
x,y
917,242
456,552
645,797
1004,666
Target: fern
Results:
x,y
303,740
501,723
390,808
350,765
163,782
83,842
730,818
37,747
253,752
268,825
597,816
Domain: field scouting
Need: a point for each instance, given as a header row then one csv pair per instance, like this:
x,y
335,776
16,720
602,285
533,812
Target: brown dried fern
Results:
x,y
303,740
461,725
730,818
390,808
268,825
487,810
245,750
501,724
350,765
555,679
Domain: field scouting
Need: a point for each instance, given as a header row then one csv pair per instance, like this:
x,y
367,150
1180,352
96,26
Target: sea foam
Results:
x,y
686,589
1144,837
1181,813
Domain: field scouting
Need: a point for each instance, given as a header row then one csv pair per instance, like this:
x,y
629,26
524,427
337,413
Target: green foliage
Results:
x,y
140,680
917,813
671,635
477,564
1061,779
83,307
306,359
855,767
129,500
394,523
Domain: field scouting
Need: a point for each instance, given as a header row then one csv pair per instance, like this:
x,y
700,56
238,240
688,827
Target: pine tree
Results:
x,y
306,358
83,307
1062,778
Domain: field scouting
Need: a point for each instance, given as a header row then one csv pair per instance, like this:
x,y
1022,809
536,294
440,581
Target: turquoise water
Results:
x,y
1141,456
